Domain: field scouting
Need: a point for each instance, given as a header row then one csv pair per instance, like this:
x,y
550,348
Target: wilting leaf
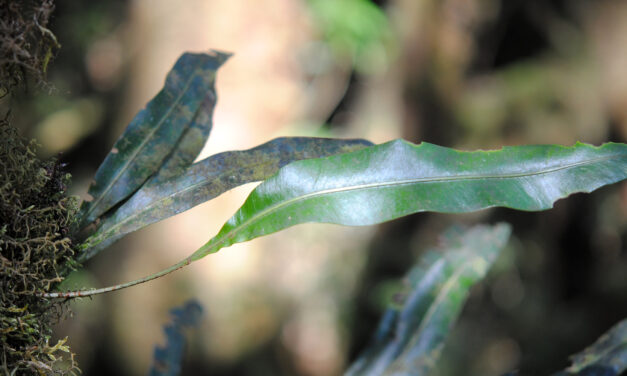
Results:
x,y
207,179
171,129
387,181
410,337
167,359
606,357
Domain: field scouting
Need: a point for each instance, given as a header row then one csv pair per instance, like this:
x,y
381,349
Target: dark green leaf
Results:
x,y
410,338
606,357
388,181
168,130
384,182
207,179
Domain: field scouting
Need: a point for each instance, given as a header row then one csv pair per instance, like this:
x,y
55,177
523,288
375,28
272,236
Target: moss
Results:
x,y
26,45
36,253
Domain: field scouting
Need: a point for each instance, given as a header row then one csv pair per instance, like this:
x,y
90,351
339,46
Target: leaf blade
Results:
x,y
167,359
437,288
191,142
607,356
207,179
388,181
152,134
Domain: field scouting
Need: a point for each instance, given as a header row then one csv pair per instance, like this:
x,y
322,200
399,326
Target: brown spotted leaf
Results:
x,y
388,181
163,138
207,179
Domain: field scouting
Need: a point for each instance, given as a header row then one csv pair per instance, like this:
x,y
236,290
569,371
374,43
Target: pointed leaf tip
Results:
x,y
391,180
156,131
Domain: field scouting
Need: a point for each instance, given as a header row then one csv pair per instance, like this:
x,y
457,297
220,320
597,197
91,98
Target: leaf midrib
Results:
x,y
144,142
191,187
175,194
444,292
217,245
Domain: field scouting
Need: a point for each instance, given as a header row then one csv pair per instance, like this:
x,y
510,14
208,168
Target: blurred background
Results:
x,y
469,74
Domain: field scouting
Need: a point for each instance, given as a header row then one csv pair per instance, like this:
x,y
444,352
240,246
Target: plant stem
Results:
x,y
83,293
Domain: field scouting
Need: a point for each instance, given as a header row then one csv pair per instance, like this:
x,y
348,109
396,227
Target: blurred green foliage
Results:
x,y
356,30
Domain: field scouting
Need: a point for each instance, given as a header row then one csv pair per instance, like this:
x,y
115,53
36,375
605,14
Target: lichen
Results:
x,y
36,252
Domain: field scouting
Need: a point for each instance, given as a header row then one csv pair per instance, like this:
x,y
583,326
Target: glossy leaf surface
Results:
x,y
171,130
606,357
410,337
387,181
207,179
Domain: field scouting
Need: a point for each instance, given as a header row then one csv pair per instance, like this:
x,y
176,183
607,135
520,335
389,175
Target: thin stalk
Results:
x,y
83,293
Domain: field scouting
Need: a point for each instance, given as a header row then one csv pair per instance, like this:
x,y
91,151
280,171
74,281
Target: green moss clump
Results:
x,y
36,253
